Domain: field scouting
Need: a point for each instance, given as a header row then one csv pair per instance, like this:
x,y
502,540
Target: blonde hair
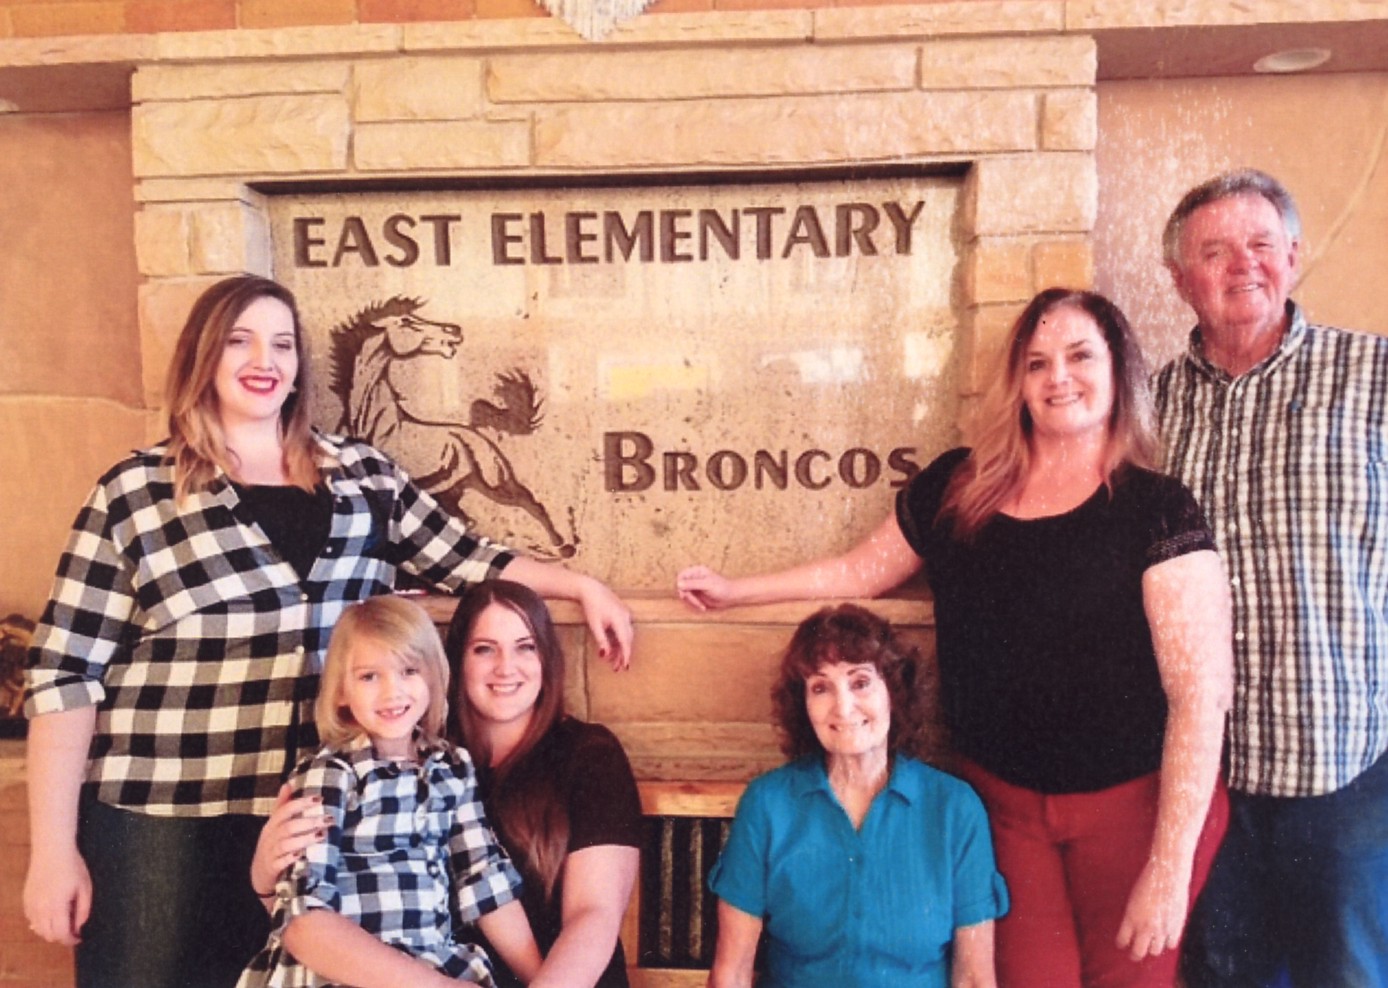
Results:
x,y
997,467
400,627
197,445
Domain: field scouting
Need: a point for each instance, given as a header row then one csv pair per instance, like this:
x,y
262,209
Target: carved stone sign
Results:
x,y
639,377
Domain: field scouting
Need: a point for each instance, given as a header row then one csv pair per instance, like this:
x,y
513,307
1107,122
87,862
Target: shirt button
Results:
x,y
1233,528
303,597
299,650
1233,581
1238,636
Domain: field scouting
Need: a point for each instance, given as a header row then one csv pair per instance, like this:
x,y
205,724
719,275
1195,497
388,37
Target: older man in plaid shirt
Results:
x,y
1280,428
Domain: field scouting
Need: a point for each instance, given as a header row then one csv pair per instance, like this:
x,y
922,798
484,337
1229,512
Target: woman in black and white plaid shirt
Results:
x,y
173,673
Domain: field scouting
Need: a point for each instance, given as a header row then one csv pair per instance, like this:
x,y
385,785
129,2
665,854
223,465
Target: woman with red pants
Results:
x,y
1083,642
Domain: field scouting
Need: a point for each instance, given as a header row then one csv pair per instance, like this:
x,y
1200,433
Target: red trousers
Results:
x,y
1070,862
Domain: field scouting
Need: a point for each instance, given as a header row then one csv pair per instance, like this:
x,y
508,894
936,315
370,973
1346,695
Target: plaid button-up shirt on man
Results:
x,y
1290,463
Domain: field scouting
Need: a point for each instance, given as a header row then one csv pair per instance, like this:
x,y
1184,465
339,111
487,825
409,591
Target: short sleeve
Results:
x,y
980,892
739,875
1177,526
604,805
918,502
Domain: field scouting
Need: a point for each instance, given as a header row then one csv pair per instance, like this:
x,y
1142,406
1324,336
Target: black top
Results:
x,y
296,522
1048,677
603,806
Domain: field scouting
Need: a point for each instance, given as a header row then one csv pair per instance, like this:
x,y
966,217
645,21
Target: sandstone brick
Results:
x,y
1070,120
428,146
76,50
182,190
277,13
929,20
686,752
286,42
984,338
695,74
858,128
417,88
164,305
43,19
1043,193
278,135
1069,263
708,29
998,270
152,16
228,239
1008,62
692,673
161,242
401,11
231,80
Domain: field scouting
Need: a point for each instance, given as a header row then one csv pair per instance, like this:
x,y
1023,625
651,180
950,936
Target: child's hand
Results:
x,y
295,825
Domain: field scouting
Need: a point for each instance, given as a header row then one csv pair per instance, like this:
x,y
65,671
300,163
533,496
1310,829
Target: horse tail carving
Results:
x,y
519,410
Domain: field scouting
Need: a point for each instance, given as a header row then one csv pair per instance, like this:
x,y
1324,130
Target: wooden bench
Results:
x,y
669,929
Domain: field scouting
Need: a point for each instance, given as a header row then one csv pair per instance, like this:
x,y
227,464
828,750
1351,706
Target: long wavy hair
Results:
x,y
197,443
399,627
1002,434
854,635
523,801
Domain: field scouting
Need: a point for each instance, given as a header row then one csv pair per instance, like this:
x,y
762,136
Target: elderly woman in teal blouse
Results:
x,y
863,865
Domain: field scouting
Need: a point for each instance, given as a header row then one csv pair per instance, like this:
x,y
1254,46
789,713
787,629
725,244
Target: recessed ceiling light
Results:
x,y
1292,60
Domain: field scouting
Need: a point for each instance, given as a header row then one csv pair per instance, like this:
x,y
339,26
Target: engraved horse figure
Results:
x,y
456,457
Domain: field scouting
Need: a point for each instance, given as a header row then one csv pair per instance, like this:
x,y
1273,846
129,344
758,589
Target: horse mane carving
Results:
x,y
449,459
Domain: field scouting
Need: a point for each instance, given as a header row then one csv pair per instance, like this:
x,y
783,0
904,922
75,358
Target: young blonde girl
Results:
x,y
407,843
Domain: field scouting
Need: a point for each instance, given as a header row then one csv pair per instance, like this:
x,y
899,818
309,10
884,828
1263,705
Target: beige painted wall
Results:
x,y
69,344
1323,136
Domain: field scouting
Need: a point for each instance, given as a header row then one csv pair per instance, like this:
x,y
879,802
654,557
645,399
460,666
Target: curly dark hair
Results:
x,y
850,634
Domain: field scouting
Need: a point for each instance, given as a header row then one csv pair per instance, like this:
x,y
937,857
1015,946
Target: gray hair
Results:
x,y
1240,182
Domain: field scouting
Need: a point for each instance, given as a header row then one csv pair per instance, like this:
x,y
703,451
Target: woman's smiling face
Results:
x,y
502,672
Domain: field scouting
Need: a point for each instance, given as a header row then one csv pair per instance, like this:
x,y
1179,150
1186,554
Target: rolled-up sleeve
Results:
x,y
88,618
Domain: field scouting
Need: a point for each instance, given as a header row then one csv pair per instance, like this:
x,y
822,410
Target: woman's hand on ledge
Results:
x,y
704,589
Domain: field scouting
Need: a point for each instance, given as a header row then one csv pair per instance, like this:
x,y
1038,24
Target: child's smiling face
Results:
x,y
387,695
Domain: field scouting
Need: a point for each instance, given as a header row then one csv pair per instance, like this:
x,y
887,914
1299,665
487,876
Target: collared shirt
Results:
x,y
199,643
875,907
1290,463
408,848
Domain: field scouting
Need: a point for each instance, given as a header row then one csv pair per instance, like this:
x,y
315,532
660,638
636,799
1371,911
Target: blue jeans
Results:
x,y
172,904
1298,894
